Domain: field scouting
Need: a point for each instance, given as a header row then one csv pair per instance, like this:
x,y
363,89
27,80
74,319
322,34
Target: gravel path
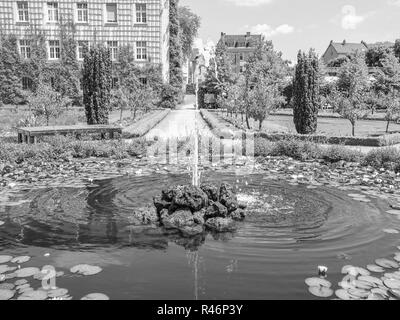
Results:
x,y
181,123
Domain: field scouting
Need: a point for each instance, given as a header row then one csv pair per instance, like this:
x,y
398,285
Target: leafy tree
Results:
x,y
351,96
97,78
47,103
10,71
388,76
265,97
375,55
189,24
338,62
306,93
175,52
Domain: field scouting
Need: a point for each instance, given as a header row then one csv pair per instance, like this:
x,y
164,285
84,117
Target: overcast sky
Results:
x,y
300,24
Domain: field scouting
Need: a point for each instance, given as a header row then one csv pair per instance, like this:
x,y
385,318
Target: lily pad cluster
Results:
x,y
19,283
378,281
192,210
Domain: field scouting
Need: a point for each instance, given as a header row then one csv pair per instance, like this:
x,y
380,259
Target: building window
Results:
x,y
23,12
111,13
114,83
113,48
26,83
241,57
25,49
82,12
54,49
52,11
143,81
241,69
83,47
141,13
141,50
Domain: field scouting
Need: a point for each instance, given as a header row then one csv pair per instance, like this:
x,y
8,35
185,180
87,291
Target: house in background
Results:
x,y
240,47
343,49
141,24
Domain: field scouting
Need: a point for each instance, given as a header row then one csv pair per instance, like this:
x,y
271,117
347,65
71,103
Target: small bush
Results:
x,y
339,153
387,158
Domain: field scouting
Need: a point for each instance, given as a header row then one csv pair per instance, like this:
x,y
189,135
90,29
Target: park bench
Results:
x,y
30,134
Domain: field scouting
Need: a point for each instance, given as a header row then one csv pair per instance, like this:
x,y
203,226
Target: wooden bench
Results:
x,y
29,134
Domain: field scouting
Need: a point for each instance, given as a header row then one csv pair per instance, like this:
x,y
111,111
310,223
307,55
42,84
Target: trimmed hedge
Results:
x,y
144,125
217,127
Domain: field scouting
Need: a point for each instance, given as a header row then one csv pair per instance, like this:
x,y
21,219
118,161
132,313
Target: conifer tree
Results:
x,y
10,67
97,79
306,99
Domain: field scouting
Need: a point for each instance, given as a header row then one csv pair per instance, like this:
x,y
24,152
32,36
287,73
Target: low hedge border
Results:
x,y
219,128
382,141
144,125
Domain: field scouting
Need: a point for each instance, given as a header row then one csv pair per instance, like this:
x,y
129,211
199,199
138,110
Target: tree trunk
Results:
x,y
353,127
120,117
247,121
387,127
260,125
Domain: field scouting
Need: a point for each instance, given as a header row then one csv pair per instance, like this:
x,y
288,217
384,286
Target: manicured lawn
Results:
x,y
327,126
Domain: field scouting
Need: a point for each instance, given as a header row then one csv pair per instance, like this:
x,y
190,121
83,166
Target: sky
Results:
x,y
300,24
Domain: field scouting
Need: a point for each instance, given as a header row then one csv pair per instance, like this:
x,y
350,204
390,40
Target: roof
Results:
x,y
347,48
242,41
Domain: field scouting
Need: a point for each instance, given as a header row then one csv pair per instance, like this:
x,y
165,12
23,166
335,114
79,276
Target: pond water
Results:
x,y
290,230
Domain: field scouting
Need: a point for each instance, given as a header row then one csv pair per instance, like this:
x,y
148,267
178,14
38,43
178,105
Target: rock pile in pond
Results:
x,y
191,209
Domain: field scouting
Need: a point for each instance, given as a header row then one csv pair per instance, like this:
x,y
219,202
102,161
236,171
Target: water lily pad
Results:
x,y
391,231
343,294
372,280
5,259
380,291
5,268
321,292
395,292
386,263
375,268
6,294
318,282
33,295
95,296
86,270
7,286
23,286
363,284
392,276
21,259
397,257
351,270
57,292
392,284
346,285
359,293
27,272
375,297
20,282
394,212
1,223
363,272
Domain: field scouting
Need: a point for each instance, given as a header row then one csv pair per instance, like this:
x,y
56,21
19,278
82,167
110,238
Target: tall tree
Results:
x,y
397,49
352,96
264,81
175,51
10,71
306,93
97,78
189,24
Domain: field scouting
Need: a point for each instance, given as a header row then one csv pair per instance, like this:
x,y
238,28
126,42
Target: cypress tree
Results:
x,y
306,99
10,80
175,51
97,79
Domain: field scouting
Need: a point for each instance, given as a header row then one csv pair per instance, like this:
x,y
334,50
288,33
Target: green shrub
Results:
x,y
339,153
387,158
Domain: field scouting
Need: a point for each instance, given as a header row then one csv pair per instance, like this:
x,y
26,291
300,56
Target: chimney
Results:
x,y
331,42
344,42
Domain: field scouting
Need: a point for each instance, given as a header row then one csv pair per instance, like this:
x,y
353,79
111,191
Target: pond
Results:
x,y
289,231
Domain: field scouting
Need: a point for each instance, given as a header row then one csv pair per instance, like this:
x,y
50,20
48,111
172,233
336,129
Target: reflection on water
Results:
x,y
289,231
